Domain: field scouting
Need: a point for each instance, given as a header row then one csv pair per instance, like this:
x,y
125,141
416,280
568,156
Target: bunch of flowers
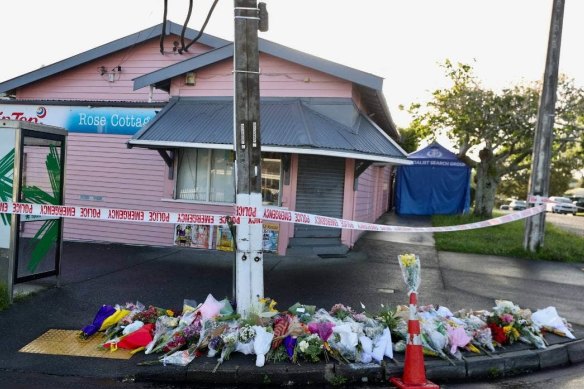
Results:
x,y
505,322
477,329
302,312
309,347
410,267
305,334
229,339
122,325
509,324
184,337
340,311
162,332
151,314
246,334
215,345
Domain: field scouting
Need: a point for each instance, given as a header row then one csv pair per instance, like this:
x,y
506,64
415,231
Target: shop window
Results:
x,y
271,180
207,175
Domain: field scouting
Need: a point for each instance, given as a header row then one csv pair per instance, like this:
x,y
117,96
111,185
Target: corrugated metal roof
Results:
x,y
307,125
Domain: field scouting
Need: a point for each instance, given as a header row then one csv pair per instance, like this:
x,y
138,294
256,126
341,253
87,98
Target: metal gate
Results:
x,y
320,191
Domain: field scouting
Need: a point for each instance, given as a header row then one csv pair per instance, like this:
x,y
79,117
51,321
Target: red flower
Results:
x,y
498,333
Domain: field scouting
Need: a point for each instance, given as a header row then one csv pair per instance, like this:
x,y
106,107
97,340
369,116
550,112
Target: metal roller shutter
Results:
x,y
320,191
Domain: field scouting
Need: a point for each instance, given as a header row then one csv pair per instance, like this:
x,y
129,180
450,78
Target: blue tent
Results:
x,y
437,183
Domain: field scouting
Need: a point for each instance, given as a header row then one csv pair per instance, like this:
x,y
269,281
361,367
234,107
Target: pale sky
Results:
x,y
402,41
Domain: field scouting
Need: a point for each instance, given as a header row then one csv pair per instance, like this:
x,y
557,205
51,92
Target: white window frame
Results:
x,y
179,157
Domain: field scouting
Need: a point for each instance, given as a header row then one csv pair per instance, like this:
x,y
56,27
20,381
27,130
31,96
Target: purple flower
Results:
x,y
216,343
323,329
289,344
360,317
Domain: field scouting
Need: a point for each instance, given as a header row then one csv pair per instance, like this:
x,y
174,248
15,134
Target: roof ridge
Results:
x,y
119,44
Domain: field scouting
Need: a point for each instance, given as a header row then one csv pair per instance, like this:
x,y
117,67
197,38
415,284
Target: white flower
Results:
x,y
303,346
229,338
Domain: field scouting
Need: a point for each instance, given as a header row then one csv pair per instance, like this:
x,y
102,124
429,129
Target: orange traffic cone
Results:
x,y
414,372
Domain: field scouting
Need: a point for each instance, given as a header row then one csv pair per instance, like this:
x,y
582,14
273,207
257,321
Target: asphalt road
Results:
x,y
574,224
571,377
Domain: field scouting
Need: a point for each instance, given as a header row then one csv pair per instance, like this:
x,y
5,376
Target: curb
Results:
x,y
242,372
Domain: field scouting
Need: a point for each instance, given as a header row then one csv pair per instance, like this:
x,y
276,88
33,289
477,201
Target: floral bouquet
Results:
x,y
477,329
548,320
106,317
509,324
410,267
229,339
262,343
127,323
245,339
309,347
151,314
324,330
340,311
162,332
303,312
184,337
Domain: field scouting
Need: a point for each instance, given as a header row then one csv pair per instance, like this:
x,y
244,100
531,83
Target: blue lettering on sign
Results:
x,y
108,121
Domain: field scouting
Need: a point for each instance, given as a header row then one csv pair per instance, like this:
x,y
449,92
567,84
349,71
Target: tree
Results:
x,y
409,140
499,125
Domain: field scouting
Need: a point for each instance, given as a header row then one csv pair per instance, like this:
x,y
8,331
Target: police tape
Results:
x,y
273,214
241,215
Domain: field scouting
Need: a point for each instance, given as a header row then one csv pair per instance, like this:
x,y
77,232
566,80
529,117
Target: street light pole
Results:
x,y
542,145
249,276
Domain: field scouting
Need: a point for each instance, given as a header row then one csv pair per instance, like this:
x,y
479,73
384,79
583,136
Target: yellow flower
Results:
x,y
271,303
472,348
511,332
407,260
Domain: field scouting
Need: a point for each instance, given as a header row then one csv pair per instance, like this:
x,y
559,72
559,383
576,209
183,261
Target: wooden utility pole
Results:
x,y
542,145
249,259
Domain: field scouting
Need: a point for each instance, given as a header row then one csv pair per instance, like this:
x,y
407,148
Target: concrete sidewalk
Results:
x,y
96,274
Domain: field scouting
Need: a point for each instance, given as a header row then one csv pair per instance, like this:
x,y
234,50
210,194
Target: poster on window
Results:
x,y
271,234
183,235
224,239
202,236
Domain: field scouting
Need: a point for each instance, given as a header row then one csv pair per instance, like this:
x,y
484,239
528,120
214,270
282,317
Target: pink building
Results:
x,y
154,131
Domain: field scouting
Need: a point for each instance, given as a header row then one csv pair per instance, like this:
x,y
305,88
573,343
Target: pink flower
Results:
x,y
507,318
323,329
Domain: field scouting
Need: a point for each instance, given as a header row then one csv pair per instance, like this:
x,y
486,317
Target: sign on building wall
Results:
x,y
85,119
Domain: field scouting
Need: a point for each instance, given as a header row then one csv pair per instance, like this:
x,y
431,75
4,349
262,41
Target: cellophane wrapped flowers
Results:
x,y
306,334
309,348
509,324
410,267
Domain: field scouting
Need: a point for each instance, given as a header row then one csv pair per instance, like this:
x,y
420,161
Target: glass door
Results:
x,y
38,242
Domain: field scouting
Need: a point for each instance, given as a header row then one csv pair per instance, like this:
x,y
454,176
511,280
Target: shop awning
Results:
x,y
321,126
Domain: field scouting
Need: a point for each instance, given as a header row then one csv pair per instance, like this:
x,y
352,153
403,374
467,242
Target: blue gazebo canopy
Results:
x,y
436,183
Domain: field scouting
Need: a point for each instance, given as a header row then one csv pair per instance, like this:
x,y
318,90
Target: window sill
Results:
x,y
168,200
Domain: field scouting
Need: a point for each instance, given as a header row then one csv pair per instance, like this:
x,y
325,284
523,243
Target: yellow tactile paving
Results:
x,y
67,342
